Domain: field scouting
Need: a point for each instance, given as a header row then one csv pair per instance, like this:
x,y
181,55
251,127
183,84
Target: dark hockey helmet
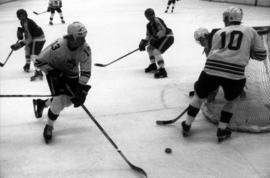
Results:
x,y
149,12
21,12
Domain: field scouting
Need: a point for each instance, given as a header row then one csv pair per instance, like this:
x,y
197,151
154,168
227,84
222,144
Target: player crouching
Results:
x,y
225,67
67,64
158,39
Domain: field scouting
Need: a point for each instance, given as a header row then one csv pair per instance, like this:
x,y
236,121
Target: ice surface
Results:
x,y
123,99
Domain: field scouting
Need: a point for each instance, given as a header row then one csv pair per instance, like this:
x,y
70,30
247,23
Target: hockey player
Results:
x,y
67,64
55,5
158,38
170,2
232,47
32,38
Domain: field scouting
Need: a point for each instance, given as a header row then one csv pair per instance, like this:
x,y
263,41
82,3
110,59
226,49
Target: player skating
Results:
x,y
170,3
67,64
32,38
55,5
158,39
232,47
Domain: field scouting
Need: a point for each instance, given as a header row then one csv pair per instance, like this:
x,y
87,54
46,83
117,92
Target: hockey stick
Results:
x,y
165,122
38,13
104,65
132,166
14,96
2,64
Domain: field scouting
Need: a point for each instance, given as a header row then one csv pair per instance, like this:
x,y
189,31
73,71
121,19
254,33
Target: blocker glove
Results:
x,y
143,44
80,95
17,46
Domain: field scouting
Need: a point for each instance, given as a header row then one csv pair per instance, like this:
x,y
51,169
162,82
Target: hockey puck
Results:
x,y
168,150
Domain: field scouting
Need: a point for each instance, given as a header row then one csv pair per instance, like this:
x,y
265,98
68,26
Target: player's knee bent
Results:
x,y
52,116
193,111
59,103
225,116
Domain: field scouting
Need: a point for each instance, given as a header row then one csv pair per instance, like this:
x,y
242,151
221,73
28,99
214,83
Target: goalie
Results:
x,y
225,67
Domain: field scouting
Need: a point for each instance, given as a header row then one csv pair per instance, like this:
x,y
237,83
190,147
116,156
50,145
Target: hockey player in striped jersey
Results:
x,y
32,38
67,64
158,38
231,49
55,5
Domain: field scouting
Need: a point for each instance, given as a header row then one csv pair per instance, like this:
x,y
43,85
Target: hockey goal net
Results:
x,y
252,112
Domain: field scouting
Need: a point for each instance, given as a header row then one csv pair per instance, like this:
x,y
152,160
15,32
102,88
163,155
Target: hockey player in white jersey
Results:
x,y
232,48
55,5
67,64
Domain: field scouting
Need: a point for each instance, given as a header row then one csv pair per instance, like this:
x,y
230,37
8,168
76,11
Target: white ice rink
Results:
x,y
123,99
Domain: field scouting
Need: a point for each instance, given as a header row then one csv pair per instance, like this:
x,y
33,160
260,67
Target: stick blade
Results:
x,y
1,64
35,12
164,122
138,169
99,65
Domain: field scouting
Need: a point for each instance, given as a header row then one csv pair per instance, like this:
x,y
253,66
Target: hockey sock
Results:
x,y
51,17
172,8
160,61
51,117
28,59
191,114
61,16
225,118
152,59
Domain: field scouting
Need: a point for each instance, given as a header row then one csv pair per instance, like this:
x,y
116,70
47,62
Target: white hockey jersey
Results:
x,y
71,63
231,50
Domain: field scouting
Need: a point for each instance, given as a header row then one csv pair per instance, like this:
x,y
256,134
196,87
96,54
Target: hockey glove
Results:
x,y
49,9
143,44
80,95
17,46
20,31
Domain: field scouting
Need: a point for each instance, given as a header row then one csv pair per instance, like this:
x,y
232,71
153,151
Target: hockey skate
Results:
x,y
26,67
166,11
62,21
47,133
39,106
50,23
36,76
223,134
185,129
161,73
151,68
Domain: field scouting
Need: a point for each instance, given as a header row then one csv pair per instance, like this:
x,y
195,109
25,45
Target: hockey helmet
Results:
x,y
21,12
77,29
200,33
149,12
233,14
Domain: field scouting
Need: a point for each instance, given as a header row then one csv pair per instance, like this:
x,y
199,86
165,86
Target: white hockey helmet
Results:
x,y
200,33
233,14
77,29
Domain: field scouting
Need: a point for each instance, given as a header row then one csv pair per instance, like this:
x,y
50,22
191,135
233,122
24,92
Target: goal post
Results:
x,y
252,112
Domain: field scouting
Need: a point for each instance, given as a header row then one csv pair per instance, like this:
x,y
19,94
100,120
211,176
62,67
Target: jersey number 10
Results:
x,y
235,40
